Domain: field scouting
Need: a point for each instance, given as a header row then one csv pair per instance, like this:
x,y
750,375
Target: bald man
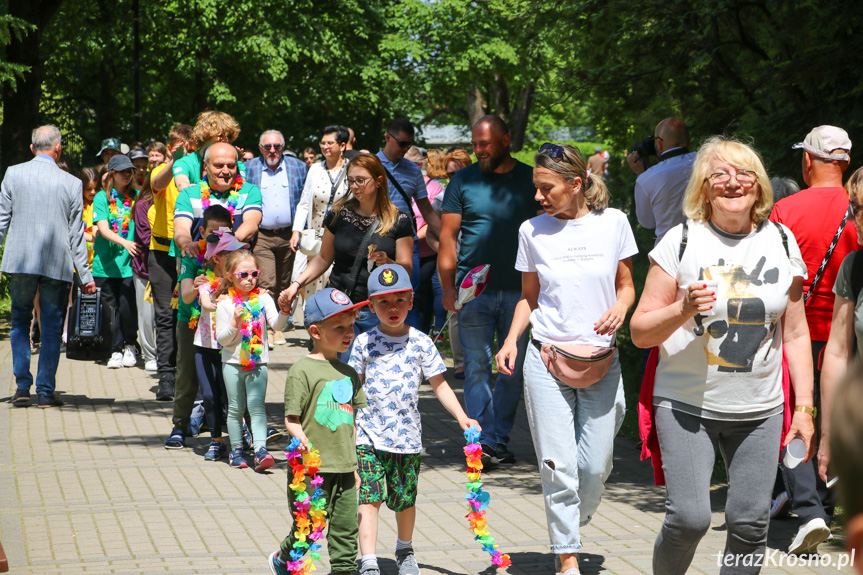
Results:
x,y
486,203
659,189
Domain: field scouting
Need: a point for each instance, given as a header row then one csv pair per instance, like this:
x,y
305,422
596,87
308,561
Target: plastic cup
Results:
x,y
795,453
712,285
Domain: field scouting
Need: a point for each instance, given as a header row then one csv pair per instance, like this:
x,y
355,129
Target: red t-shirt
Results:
x,y
814,215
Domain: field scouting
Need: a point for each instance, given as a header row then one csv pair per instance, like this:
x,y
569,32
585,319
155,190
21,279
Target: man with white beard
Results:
x,y
281,179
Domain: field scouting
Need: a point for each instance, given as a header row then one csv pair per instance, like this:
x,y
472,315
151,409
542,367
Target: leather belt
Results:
x,y
275,231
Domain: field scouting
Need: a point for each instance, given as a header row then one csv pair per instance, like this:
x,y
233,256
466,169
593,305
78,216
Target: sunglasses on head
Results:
x,y
244,275
401,143
553,151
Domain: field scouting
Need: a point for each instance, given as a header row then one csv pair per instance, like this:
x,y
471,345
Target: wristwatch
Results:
x,y
813,411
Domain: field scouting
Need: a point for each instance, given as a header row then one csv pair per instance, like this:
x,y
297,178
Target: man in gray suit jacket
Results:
x,y
40,208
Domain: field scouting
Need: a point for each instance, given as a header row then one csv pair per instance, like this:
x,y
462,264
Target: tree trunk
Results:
x,y
501,98
475,107
21,112
520,115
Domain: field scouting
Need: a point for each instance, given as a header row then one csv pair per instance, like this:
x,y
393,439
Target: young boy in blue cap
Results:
x,y
393,359
321,396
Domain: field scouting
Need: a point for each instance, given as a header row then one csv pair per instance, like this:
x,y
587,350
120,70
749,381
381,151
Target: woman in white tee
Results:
x,y
576,264
720,305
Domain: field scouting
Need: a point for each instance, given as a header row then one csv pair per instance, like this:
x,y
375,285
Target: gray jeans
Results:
x,y
688,444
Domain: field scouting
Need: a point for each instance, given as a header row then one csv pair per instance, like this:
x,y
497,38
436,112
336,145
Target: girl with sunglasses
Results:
x,y
242,320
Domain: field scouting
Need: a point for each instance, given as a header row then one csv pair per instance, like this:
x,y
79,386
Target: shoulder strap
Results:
x,y
335,184
405,197
362,254
782,233
857,274
826,259
684,238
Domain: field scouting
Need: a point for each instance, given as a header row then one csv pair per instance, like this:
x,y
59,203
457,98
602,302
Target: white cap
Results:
x,y
823,140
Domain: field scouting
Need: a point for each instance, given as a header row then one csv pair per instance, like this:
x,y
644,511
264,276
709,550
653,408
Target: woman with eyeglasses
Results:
x,y
361,231
326,183
845,342
723,296
576,267
113,250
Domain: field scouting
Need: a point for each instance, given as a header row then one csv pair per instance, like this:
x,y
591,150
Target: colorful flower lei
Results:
x,y
310,509
252,328
478,499
213,282
233,195
119,217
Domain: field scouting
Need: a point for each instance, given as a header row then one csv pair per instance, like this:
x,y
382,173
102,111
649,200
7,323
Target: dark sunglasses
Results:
x,y
272,146
244,275
553,151
401,143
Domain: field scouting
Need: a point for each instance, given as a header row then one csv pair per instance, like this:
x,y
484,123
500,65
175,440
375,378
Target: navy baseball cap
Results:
x,y
389,278
120,163
326,303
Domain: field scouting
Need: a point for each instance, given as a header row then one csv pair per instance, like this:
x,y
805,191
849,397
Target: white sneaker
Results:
x,y
116,361
809,537
129,359
151,365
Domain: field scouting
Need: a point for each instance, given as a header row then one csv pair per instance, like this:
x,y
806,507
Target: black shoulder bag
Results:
x,y
406,198
362,255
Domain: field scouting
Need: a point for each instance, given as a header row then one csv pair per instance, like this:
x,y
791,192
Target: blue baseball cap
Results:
x,y
326,303
389,278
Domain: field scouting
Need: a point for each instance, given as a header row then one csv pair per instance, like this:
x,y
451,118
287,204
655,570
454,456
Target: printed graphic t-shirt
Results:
x,y
324,395
729,362
576,261
394,368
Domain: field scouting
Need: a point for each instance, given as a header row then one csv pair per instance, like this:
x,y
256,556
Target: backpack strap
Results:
x,y
782,233
857,275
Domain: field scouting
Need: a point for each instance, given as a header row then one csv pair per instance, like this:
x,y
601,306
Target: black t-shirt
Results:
x,y
348,229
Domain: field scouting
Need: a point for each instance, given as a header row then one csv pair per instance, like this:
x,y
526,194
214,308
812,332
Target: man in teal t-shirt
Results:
x,y
487,202
220,166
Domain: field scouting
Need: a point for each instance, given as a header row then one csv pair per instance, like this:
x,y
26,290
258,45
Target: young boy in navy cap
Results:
x,y
321,396
393,359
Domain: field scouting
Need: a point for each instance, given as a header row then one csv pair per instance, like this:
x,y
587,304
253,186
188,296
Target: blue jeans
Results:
x,y
489,314
573,434
366,320
53,296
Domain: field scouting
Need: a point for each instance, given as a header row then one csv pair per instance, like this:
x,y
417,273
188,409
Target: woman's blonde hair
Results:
x,y
387,211
571,165
436,164
854,185
741,156
211,125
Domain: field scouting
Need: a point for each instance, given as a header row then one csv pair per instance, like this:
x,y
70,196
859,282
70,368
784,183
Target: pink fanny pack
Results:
x,y
577,366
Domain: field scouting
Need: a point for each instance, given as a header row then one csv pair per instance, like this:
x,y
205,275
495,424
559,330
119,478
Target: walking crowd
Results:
x,y
206,254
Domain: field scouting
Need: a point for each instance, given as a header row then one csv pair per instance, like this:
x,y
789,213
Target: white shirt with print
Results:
x,y
393,369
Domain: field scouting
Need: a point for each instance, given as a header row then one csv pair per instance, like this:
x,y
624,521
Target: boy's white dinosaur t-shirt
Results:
x,y
393,369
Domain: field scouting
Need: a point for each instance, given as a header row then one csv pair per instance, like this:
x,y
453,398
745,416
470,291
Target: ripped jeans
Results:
x,y
573,433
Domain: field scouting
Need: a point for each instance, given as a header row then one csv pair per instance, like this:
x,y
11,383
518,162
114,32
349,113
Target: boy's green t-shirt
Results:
x,y
189,269
325,396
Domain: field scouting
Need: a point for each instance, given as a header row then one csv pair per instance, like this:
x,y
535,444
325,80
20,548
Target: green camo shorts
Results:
x,y
399,472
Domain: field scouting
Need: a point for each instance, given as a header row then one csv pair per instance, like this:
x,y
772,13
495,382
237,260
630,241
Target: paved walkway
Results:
x,y
89,488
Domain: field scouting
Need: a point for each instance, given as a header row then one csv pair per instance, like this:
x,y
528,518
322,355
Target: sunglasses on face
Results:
x,y
244,275
553,151
275,147
401,143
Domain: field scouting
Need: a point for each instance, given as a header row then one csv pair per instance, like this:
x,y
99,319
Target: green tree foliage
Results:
x,y
11,28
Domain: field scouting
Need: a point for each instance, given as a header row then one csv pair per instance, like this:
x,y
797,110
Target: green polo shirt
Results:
x,y
109,259
189,205
189,269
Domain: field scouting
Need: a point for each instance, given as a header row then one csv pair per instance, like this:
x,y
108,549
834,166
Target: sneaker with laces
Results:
x,y
809,537
151,365
504,455
248,440
263,459
407,561
489,458
165,391
276,566
129,357
273,435
116,361
779,507
237,459
216,451
372,569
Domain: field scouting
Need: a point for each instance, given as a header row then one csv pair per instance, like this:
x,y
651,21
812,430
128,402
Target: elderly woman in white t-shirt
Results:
x,y
720,302
576,264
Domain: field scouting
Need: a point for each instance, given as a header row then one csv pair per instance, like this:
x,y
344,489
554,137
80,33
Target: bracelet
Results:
x,y
296,282
813,411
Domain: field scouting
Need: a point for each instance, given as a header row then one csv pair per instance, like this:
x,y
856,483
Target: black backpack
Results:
x,y
90,326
